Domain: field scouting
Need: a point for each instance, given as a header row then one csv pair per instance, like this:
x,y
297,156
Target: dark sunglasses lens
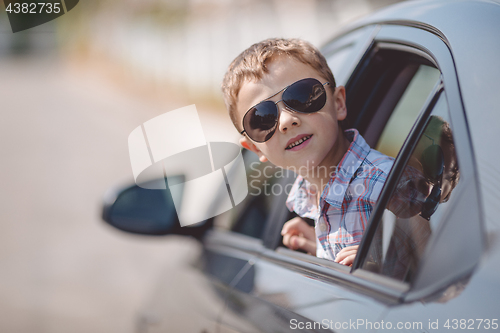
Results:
x,y
260,121
305,96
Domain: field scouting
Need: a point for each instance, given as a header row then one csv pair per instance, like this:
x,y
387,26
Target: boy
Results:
x,y
281,96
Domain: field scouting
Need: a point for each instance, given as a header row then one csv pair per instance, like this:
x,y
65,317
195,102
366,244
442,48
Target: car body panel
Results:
x,y
281,296
466,300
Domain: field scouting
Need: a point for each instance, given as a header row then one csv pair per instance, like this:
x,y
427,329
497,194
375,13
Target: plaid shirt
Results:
x,y
347,200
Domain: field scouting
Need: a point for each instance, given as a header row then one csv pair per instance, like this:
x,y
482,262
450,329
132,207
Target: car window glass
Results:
x,y
404,115
337,60
419,201
249,217
343,53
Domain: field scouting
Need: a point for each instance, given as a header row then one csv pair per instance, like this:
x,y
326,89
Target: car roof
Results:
x,y
471,30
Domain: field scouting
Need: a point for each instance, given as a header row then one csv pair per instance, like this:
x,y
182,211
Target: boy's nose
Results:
x,y
288,119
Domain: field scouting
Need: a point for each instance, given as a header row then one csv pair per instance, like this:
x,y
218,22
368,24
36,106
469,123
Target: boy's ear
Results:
x,y
340,102
246,143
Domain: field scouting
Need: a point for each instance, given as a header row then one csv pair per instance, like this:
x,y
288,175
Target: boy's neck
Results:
x,y
322,174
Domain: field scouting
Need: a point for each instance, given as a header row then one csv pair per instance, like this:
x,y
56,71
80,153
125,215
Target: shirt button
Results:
x,y
322,227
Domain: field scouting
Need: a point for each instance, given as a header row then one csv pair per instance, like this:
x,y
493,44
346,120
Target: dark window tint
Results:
x,y
386,93
250,216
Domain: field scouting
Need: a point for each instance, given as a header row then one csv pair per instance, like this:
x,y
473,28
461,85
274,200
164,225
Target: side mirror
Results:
x,y
141,211
147,212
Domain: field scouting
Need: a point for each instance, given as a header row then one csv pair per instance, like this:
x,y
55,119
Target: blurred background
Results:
x,y
71,91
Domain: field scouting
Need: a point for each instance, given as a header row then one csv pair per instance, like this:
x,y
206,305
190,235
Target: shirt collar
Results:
x,y
302,201
334,192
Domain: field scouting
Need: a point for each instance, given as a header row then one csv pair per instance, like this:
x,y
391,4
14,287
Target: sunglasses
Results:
x,y
304,96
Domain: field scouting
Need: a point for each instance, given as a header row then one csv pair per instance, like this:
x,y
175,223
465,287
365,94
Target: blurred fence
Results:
x,y
188,45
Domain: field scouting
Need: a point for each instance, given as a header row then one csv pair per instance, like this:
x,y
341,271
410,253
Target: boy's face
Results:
x,y
326,144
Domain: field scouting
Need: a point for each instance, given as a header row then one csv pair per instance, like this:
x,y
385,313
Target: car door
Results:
x,y
396,89
431,245
238,236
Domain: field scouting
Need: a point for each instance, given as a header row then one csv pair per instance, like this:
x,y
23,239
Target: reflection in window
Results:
x,y
404,115
418,202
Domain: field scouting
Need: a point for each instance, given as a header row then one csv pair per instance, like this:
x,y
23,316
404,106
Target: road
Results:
x,y
63,142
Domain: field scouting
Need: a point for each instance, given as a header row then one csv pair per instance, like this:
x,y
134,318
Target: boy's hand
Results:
x,y
297,234
346,255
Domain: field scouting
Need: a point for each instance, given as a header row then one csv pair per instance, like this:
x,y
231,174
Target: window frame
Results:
x,y
395,79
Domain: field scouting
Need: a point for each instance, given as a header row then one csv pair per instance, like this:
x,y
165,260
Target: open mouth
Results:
x,y
298,142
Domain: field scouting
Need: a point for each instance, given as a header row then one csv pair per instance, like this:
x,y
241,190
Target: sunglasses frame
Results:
x,y
277,109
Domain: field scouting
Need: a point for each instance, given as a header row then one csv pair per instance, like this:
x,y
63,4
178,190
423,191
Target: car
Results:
x,y
422,82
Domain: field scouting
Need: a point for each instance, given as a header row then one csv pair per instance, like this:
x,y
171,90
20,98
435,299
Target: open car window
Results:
x,y
387,92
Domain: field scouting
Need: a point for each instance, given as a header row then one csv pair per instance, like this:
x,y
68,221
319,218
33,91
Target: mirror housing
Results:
x,y
143,211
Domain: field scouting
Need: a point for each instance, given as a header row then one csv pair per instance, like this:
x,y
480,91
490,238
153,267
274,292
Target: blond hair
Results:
x,y
252,63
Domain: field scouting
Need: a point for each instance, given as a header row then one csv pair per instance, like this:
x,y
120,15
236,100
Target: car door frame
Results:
x,y
435,45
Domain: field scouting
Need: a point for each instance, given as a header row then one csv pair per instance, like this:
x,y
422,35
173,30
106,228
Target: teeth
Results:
x,y
298,142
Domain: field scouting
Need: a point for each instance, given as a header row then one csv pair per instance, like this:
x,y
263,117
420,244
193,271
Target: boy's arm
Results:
x,y
297,234
346,255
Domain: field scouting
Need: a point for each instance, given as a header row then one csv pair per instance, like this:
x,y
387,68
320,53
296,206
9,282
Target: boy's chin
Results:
x,y
263,159
301,167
